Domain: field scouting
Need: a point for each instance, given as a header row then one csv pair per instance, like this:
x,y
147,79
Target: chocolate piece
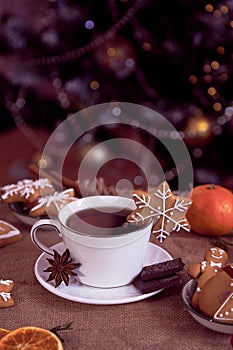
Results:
x,y
161,269
156,284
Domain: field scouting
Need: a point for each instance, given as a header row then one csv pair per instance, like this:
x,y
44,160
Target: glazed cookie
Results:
x,y
165,209
6,286
8,234
26,190
51,204
6,300
215,259
216,296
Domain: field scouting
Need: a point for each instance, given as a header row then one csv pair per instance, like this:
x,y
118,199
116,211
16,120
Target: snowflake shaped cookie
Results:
x,y
26,190
164,208
51,204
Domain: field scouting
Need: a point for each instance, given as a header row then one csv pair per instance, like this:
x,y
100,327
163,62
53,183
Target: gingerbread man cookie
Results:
x,y
8,234
6,286
215,259
216,297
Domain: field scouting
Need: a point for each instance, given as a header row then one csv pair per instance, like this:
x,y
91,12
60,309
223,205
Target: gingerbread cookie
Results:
x,y
6,286
165,209
26,190
51,204
215,259
6,300
216,297
8,234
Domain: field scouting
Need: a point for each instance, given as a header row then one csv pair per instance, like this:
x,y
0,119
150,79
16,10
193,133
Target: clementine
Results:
x,y
31,338
211,211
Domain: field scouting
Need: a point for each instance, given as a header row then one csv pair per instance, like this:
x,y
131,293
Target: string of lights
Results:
x,y
70,56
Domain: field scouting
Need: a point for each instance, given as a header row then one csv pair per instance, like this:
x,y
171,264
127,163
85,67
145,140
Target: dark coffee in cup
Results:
x,y
101,221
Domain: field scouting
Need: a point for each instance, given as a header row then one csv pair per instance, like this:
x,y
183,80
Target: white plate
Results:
x,y
78,292
186,295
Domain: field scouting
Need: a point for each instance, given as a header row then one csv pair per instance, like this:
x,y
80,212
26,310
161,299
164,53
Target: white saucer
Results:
x,y
78,292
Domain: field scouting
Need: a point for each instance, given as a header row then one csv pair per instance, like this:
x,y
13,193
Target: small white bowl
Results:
x,y
186,296
20,211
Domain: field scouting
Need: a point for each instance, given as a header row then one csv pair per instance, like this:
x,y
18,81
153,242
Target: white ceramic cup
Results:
x,y
107,261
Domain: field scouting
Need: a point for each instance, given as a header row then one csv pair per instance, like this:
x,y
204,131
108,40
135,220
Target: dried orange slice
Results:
x,y
3,332
30,338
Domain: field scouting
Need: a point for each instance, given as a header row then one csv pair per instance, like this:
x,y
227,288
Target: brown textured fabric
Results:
x,y
160,322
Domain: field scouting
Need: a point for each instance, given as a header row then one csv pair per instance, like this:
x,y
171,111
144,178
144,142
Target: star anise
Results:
x,y
61,268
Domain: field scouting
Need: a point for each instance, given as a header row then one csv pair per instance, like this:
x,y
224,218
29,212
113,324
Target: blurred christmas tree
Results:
x,y
60,56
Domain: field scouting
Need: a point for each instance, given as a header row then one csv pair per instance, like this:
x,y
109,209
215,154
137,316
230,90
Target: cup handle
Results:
x,y
33,232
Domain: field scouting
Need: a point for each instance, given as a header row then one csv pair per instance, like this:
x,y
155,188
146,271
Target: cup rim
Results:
x,y
131,204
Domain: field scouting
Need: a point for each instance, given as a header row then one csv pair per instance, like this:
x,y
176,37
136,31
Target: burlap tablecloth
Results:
x,y
159,322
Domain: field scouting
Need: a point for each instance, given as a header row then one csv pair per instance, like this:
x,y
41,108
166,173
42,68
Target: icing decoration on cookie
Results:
x,y
5,296
6,285
216,296
225,312
8,233
215,259
164,208
6,282
6,299
7,230
25,190
51,204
